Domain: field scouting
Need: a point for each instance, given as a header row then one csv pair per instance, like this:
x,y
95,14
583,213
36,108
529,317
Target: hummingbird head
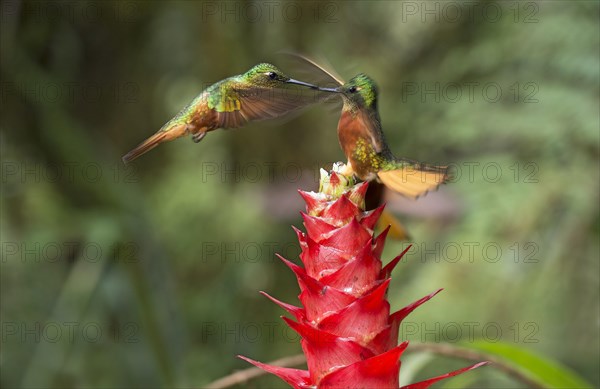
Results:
x,y
360,90
267,75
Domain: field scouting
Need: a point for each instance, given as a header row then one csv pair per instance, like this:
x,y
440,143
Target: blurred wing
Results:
x,y
318,72
238,106
414,180
321,71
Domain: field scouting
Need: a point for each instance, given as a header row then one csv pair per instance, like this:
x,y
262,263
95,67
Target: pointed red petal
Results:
x,y
295,268
326,352
300,235
379,242
316,306
311,296
358,193
362,319
388,337
380,371
314,202
386,272
297,312
335,179
427,383
299,379
358,275
349,238
384,340
316,227
370,218
401,314
321,260
341,211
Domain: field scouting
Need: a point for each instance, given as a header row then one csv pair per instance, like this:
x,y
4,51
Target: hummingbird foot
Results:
x,y
198,137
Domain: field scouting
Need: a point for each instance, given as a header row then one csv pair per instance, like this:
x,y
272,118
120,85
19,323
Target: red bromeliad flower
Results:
x,y
349,337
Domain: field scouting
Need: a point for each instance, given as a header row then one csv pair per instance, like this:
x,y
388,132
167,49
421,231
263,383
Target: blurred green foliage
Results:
x,y
149,275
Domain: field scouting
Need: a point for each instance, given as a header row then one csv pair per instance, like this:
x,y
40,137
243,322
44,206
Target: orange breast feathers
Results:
x,y
350,129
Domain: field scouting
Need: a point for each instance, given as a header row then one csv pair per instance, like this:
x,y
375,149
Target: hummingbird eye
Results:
x,y
272,75
352,89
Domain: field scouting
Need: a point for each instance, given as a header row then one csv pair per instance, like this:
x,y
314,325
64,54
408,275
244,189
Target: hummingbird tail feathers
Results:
x,y
156,139
414,180
397,230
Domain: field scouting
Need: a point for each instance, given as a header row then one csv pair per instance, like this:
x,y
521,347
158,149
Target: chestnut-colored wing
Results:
x,y
372,124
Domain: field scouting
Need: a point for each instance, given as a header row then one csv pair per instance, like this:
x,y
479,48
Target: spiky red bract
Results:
x,y
349,336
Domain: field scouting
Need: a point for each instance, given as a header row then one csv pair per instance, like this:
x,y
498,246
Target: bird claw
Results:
x,y
198,137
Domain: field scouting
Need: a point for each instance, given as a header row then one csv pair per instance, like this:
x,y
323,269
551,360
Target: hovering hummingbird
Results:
x,y
263,92
363,142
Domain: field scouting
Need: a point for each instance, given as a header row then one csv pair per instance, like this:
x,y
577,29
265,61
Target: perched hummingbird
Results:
x,y
362,140
263,92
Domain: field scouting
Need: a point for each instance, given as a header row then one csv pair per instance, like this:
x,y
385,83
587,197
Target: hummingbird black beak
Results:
x,y
333,90
292,81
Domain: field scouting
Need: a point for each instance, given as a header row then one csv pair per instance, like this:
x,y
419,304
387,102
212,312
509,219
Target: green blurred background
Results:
x,y
148,276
